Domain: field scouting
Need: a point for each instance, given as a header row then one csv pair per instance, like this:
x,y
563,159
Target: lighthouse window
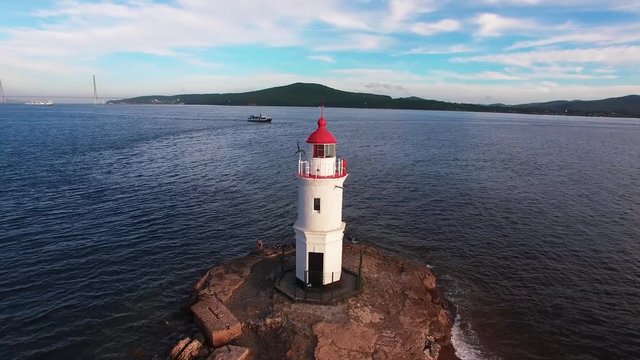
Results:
x,y
318,151
316,204
330,150
324,150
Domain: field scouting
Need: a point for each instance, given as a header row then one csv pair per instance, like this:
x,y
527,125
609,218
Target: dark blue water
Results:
x,y
109,215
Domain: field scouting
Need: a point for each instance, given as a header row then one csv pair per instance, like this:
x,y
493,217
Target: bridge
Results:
x,y
17,99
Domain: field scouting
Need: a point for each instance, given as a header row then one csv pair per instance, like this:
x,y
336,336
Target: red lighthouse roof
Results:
x,y
321,135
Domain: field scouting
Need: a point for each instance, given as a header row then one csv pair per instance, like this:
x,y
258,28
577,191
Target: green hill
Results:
x,y
622,106
304,94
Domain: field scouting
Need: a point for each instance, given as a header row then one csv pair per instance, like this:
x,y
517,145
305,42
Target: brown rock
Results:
x,y
429,280
202,282
400,314
177,349
224,280
344,341
230,352
299,347
217,323
191,351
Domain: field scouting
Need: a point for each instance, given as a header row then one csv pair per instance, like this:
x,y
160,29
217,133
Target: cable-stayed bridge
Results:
x,y
16,99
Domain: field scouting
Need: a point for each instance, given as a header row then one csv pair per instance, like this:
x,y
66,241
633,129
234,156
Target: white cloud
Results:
x,y
75,28
513,2
70,39
400,10
445,25
519,75
612,55
323,58
440,50
603,35
491,25
621,5
480,76
435,86
355,42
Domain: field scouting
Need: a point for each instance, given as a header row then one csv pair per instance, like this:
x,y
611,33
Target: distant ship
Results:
x,y
259,118
41,103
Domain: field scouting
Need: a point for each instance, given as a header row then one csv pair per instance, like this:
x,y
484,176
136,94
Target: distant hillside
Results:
x,y
621,106
303,94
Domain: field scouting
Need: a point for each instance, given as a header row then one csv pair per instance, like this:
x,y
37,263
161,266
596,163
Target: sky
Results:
x,y
483,51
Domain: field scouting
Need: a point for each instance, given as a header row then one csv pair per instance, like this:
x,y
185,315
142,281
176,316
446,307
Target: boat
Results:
x,y
41,103
259,118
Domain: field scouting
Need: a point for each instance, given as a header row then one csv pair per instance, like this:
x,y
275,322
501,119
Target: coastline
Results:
x,y
399,314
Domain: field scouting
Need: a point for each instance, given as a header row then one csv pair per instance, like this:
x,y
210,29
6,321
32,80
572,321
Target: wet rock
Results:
x,y
431,348
429,280
217,323
177,349
230,352
191,351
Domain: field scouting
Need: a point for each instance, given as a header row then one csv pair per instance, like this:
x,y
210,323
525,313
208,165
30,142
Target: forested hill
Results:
x,y
621,106
303,94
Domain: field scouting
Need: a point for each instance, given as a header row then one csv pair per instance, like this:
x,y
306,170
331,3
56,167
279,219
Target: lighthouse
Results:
x,y
319,227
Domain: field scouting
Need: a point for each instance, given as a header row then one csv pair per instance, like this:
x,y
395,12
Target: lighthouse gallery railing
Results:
x,y
339,170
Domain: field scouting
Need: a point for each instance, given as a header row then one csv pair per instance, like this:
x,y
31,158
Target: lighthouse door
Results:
x,y
316,266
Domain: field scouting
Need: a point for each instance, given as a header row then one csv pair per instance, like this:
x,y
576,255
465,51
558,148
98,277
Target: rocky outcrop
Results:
x,y
229,352
400,314
187,349
216,322
344,341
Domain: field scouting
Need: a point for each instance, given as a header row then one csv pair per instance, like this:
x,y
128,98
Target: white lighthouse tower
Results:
x,y
319,228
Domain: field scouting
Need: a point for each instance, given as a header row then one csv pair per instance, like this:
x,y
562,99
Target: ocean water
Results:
x,y
110,214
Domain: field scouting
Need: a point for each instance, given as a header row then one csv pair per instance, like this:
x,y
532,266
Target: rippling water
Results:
x,y
109,214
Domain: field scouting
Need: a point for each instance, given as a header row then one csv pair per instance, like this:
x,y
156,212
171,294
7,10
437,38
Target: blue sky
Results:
x,y
486,51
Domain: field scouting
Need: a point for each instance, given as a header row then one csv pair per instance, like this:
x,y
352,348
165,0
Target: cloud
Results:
x,y
440,50
400,83
400,10
620,5
70,28
446,25
491,25
380,73
603,35
159,46
355,42
480,76
323,58
519,75
513,2
377,86
612,55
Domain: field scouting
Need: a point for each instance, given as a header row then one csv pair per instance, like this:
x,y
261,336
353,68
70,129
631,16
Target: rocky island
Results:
x,y
399,312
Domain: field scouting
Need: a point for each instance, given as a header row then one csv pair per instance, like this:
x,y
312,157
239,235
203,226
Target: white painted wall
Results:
x,y
321,231
322,166
329,191
328,243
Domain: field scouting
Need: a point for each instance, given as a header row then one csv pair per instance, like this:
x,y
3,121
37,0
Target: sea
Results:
x,y
109,214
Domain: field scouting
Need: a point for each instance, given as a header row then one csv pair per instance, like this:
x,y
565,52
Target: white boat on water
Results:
x,y
259,118
41,103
